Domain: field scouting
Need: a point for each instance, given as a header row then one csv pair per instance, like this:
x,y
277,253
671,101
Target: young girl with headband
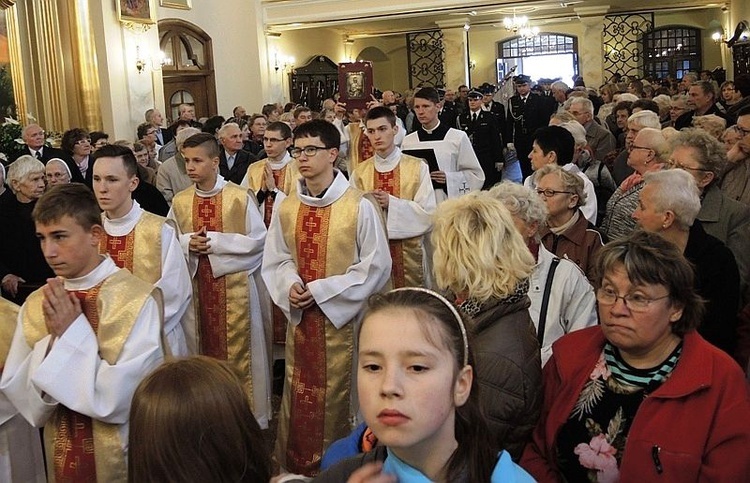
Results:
x,y
418,394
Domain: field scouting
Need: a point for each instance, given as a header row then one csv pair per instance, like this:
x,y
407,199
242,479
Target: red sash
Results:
x,y
212,292
279,320
74,459
120,248
390,182
308,387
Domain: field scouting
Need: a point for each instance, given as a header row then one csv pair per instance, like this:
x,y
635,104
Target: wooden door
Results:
x,y
186,90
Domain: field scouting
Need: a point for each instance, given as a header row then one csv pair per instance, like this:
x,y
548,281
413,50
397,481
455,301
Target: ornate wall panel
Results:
x,y
622,37
426,56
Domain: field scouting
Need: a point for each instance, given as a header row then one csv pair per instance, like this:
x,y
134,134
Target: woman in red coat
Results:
x,y
642,396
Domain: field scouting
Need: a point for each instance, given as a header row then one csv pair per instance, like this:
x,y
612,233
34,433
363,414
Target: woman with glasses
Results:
x,y
77,144
642,397
648,152
57,172
668,205
567,234
698,153
562,300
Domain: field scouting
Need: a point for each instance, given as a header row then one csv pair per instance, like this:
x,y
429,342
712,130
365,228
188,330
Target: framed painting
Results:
x,y
355,84
181,4
137,11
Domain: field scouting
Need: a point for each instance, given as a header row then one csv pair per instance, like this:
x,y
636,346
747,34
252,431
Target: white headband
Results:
x,y
452,308
67,168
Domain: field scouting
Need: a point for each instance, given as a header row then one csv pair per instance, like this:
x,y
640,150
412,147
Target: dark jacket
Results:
x,y
486,138
242,159
697,419
20,252
686,119
509,372
51,153
718,282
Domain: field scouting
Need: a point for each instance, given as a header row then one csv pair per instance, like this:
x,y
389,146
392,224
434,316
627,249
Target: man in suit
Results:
x,y
599,139
526,113
485,134
233,160
155,118
33,138
447,113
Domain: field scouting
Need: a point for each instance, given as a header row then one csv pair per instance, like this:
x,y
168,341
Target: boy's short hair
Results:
x,y
557,139
74,200
429,93
380,112
122,152
205,140
327,132
280,127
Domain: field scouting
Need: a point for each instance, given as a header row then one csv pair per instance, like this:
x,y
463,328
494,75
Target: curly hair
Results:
x,y
710,154
478,250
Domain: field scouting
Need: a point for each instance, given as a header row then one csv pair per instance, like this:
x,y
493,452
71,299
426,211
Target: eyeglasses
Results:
x,y
273,140
634,302
550,193
633,147
83,141
674,164
309,151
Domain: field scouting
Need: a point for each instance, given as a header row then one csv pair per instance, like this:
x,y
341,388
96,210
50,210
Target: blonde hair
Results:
x,y
570,181
712,124
478,250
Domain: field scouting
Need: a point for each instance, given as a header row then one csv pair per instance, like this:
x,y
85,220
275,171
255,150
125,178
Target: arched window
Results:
x,y
189,79
672,51
539,55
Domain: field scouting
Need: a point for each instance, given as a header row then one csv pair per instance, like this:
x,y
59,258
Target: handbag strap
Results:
x,y
545,301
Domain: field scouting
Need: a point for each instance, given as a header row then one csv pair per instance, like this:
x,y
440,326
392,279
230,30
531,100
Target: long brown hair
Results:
x,y
190,420
475,456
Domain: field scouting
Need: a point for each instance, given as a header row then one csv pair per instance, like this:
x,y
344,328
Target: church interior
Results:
x,y
100,64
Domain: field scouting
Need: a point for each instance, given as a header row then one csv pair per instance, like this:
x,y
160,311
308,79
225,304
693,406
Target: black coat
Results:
x,y
20,252
51,153
718,283
242,160
486,138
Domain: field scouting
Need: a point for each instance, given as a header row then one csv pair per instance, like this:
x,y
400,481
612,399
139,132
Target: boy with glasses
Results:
x,y
326,253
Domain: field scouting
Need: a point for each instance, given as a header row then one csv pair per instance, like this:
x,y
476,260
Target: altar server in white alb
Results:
x,y
458,169
401,185
144,243
221,233
82,344
326,253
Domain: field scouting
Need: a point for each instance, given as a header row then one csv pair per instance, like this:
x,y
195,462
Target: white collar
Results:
x,y
105,268
284,161
125,224
333,192
384,165
220,183
430,131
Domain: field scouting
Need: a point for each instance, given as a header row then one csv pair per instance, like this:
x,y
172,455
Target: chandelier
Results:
x,y
520,26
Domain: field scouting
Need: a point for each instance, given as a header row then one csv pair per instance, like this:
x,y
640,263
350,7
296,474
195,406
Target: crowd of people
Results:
x,y
533,283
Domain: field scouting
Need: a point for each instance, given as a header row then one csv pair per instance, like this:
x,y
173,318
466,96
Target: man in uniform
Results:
x,y
485,134
526,113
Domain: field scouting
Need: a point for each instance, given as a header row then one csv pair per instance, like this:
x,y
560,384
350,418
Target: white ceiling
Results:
x,y
362,18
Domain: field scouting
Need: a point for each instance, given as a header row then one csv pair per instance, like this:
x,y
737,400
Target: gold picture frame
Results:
x,y
136,11
180,4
